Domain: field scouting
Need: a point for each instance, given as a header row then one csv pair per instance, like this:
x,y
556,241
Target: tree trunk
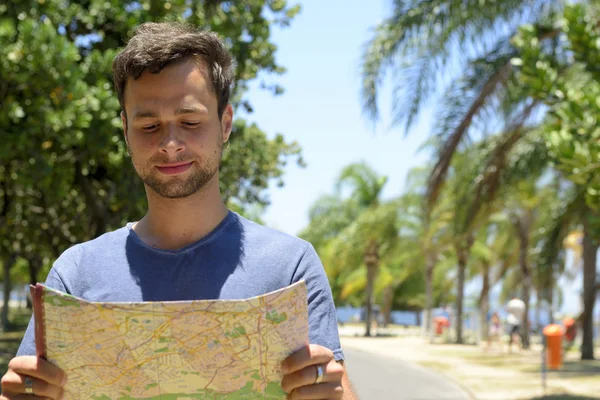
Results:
x,y
369,302
34,266
429,266
590,250
538,310
418,317
462,251
484,302
463,248
6,289
462,266
522,225
371,259
388,299
550,300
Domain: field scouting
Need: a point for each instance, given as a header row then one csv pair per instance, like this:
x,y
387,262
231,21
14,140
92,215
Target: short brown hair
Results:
x,y
156,45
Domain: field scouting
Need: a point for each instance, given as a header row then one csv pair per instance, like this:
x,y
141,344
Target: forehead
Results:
x,y
186,81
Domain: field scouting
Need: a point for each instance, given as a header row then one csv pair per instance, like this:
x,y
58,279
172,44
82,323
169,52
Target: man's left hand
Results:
x,y
301,373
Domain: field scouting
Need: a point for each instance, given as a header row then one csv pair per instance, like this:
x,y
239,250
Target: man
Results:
x,y
515,312
173,83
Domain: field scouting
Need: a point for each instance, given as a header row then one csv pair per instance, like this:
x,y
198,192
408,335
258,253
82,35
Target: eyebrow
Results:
x,y
179,111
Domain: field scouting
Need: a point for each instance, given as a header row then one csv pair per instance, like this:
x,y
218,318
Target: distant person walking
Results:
x,y
495,331
516,311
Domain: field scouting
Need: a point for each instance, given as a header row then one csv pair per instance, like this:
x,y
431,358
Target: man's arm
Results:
x,y
349,393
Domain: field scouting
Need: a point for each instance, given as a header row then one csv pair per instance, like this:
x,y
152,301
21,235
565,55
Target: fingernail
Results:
x,y
64,381
284,369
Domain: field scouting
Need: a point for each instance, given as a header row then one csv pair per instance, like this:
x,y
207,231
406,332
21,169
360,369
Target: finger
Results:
x,y
309,355
38,368
329,391
332,372
14,383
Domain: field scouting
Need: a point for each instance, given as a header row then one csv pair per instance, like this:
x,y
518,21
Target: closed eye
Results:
x,y
150,128
191,124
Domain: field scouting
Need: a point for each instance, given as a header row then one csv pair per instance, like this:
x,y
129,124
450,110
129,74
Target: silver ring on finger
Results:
x,y
28,385
319,374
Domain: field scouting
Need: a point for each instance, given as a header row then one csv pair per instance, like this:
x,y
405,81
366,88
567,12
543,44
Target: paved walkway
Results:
x,y
376,377
485,376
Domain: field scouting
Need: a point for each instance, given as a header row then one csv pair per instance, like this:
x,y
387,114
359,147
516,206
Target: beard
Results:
x,y
199,175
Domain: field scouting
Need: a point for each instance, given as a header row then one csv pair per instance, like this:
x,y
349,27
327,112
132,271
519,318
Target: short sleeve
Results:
x,y
322,317
27,347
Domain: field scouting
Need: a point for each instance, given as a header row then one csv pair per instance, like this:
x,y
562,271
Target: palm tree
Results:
x,y
365,243
423,39
354,229
523,205
492,257
432,229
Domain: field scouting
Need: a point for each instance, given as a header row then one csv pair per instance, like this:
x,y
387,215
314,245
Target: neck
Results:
x,y
171,224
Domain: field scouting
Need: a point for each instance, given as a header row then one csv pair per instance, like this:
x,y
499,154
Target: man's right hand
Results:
x,y
48,380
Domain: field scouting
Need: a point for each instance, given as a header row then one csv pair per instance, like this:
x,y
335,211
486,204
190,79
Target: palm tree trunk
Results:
x,y
550,300
538,310
462,266
462,251
484,302
522,225
369,303
429,265
525,294
388,299
372,262
590,251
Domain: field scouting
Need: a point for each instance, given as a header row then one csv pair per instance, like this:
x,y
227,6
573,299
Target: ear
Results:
x,y
124,121
227,122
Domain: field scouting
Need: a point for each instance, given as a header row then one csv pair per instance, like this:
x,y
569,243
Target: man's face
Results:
x,y
173,130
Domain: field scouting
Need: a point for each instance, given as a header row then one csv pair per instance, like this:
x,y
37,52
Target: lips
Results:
x,y
174,169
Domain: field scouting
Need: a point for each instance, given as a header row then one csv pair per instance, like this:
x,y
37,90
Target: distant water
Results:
x,y
18,293
346,314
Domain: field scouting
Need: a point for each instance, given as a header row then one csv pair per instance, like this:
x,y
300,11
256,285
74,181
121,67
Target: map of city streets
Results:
x,y
215,349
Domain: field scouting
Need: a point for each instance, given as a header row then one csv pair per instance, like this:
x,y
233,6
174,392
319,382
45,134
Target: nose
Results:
x,y
171,142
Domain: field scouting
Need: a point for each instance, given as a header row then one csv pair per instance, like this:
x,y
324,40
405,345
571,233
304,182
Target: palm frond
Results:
x,y
561,219
427,33
461,122
377,57
364,182
489,182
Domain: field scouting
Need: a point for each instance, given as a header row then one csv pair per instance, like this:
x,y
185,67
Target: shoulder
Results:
x,y
259,235
96,249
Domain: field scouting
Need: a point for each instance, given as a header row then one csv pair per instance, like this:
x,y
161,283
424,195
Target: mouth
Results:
x,y
175,168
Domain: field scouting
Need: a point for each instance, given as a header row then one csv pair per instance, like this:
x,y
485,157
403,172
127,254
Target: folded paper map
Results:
x,y
206,349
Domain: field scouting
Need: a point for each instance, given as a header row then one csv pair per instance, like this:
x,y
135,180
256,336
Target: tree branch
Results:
x,y
99,214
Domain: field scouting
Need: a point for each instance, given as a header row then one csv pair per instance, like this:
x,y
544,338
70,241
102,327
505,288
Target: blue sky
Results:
x,y
321,110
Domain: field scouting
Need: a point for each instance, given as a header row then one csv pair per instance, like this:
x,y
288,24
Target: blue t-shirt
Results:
x,y
237,260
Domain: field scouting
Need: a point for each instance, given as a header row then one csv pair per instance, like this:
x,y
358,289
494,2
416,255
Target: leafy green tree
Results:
x,y
63,161
569,86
